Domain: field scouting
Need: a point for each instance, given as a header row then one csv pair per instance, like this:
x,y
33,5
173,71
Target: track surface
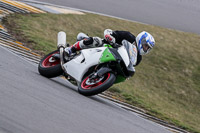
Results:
x,y
30,103
182,15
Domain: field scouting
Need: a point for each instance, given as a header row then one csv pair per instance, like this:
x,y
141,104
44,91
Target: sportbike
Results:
x,y
92,70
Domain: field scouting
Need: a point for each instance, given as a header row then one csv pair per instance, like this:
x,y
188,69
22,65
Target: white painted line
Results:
x,y
17,55
21,51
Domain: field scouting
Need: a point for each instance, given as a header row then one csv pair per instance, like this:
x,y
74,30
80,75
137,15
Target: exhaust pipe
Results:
x,y
61,39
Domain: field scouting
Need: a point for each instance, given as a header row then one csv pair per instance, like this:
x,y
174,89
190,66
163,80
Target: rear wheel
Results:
x,y
49,66
92,86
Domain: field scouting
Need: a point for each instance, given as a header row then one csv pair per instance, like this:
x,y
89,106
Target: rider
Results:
x,y
142,44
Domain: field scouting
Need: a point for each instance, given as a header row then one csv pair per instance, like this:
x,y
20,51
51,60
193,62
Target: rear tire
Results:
x,y
88,89
50,67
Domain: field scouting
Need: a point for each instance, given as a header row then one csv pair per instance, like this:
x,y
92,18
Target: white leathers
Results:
x,y
97,42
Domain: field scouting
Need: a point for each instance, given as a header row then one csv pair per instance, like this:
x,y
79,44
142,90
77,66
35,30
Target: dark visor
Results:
x,y
145,45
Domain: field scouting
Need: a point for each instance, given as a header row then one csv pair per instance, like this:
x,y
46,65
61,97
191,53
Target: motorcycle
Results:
x,y
93,70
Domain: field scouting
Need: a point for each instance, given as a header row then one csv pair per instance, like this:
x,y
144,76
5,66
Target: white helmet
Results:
x,y
145,42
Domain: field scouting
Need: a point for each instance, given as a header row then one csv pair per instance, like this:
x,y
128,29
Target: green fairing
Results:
x,y
107,45
107,56
120,79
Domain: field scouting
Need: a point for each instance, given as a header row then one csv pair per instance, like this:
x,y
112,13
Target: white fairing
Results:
x,y
123,52
80,65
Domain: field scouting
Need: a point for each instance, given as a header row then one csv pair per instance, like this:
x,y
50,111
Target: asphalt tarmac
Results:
x,y
30,103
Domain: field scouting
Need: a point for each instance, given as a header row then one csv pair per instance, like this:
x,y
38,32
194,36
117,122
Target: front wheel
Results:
x,y
49,66
92,86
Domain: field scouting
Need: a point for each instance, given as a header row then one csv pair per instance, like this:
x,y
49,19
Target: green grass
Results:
x,y
166,83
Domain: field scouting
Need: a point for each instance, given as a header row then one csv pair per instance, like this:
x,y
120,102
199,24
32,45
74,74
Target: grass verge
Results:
x,y
166,83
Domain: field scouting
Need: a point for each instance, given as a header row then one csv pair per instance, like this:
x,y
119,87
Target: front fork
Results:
x,y
61,44
61,49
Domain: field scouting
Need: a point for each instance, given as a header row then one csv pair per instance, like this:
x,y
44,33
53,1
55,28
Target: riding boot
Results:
x,y
72,49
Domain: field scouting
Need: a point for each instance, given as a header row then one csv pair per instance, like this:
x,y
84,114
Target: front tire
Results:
x,y
50,67
96,86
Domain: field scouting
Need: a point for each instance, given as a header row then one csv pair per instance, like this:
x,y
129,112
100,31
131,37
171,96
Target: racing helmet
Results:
x,y
145,42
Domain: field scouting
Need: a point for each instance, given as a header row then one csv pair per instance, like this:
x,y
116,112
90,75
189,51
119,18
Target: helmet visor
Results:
x,y
145,45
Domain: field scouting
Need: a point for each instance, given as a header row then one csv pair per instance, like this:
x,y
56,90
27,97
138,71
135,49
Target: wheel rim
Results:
x,y
90,84
50,61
